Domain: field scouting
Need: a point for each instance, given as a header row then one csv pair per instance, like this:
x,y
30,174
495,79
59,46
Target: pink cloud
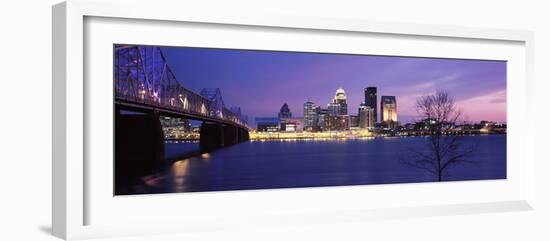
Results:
x,y
491,106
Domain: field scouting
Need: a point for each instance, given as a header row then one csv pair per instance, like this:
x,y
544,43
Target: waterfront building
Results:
x,y
353,121
370,100
267,124
291,124
172,122
285,112
311,116
337,123
366,116
388,111
175,128
323,114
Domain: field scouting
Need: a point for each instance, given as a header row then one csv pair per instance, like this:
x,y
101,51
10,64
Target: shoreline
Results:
x,y
294,138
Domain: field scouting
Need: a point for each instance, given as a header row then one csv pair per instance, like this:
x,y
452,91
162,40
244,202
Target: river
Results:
x,y
312,163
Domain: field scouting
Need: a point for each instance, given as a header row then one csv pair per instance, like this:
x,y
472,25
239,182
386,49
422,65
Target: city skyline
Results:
x,y
275,78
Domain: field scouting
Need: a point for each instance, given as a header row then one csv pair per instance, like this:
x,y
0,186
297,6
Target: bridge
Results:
x,y
146,88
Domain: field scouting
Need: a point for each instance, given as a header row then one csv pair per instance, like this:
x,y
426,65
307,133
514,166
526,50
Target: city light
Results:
x,y
335,122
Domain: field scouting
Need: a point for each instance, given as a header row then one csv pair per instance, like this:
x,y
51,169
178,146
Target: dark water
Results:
x,y
285,164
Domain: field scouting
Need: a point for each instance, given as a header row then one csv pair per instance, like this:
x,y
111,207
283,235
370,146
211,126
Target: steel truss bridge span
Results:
x,y
143,80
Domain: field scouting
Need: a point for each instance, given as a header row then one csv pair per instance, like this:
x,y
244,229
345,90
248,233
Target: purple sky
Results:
x,y
260,82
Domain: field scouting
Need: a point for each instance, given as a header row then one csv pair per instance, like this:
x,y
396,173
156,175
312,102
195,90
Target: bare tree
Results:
x,y
439,113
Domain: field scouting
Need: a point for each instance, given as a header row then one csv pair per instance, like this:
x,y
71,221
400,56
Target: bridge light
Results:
x,y
142,94
184,102
203,109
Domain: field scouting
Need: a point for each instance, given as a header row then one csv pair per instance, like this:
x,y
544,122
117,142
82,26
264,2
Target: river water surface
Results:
x,y
309,163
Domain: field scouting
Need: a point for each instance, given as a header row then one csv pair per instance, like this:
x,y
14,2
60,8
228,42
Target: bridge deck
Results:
x,y
173,112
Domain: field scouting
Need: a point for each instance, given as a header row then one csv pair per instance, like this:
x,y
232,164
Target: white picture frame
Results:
x,y
72,192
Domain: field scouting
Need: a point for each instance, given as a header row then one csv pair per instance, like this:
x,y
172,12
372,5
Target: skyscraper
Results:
x,y
338,105
340,99
333,109
323,115
311,116
366,116
370,100
388,110
285,112
338,118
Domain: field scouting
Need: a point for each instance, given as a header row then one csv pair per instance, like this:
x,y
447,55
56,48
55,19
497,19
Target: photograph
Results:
x,y
198,119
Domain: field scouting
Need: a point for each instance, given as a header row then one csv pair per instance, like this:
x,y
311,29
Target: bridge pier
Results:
x,y
230,135
213,136
139,144
243,135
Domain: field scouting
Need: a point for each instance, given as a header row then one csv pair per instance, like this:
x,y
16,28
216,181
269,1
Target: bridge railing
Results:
x,y
142,76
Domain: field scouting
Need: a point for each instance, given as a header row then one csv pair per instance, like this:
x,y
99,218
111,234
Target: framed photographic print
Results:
x,y
280,118
191,119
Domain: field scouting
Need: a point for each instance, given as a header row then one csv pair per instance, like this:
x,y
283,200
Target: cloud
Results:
x,y
491,106
495,97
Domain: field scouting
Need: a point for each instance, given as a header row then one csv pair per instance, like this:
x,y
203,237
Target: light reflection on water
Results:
x,y
179,172
205,156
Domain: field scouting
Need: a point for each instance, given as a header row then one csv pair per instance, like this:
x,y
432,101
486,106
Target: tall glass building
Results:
x,y
311,116
388,110
370,100
366,116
